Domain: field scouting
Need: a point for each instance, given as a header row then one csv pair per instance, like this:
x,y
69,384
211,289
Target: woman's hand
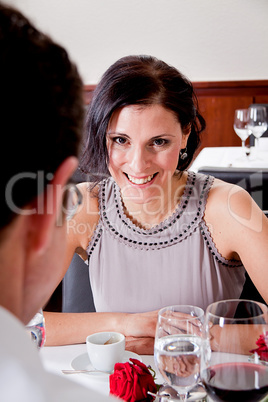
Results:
x,y
182,366
139,330
142,346
140,325
181,323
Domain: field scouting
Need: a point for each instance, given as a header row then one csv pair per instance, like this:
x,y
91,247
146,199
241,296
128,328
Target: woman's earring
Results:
x,y
183,153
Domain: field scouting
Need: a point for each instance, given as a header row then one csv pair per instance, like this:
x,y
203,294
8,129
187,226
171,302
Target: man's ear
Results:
x,y
43,221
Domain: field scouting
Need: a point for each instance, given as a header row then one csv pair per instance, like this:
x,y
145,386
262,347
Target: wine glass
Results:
x,y
177,349
241,119
257,123
36,328
230,368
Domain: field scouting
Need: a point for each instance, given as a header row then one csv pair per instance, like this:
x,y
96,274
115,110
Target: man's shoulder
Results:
x,y
22,376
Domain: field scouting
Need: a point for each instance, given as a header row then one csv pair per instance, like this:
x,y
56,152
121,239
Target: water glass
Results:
x,y
178,344
257,124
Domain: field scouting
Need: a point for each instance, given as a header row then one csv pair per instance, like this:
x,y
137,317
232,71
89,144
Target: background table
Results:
x,y
228,157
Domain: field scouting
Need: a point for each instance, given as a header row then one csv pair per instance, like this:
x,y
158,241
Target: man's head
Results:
x,y
41,120
41,111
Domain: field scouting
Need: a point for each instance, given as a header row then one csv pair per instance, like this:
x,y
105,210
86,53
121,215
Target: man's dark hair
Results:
x,y
41,110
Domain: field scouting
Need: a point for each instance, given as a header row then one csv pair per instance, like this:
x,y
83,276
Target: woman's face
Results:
x,y
143,145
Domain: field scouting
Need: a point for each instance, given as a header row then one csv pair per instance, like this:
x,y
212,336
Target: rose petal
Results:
x,y
262,349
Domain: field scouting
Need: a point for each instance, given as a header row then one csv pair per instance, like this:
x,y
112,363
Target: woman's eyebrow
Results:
x,y
163,135
117,133
152,138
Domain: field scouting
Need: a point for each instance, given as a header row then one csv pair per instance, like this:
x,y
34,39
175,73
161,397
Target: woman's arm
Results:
x,y
240,230
70,328
81,227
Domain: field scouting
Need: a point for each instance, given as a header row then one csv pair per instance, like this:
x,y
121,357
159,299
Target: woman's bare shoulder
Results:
x,y
82,226
231,205
90,204
224,194
230,213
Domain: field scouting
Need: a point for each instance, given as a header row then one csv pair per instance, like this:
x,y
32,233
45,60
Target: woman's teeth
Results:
x,y
140,181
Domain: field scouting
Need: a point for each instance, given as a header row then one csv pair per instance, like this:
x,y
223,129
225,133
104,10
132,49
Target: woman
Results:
x,y
153,233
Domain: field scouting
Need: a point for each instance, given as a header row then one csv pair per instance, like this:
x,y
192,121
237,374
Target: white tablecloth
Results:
x,y
229,157
57,358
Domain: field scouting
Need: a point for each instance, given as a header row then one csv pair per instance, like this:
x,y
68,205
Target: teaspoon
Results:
x,y
84,371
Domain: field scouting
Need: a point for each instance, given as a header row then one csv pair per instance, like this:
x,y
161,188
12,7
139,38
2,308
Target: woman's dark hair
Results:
x,y
138,80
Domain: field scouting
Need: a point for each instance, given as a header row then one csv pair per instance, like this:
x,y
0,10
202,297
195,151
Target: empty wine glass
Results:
x,y
241,119
231,368
257,123
177,349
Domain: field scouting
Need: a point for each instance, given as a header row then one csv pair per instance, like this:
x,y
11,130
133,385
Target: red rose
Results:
x,y
262,349
132,381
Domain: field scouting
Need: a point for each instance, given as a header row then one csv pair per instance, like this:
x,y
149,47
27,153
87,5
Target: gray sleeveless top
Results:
x,y
176,262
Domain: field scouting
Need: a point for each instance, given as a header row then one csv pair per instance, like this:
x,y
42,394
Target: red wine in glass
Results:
x,y
247,382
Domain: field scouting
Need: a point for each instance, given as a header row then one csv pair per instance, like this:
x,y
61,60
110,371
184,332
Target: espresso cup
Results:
x,y
105,349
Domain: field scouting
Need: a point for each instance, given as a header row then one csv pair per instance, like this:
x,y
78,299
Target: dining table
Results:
x,y
75,357
68,357
231,157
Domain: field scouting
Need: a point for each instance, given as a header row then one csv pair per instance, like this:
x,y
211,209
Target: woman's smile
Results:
x,y
141,180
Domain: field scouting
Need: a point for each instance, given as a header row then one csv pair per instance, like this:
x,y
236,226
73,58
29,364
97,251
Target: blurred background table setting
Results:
x,y
226,157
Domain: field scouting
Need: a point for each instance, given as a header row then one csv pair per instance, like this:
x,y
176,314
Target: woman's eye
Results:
x,y
119,140
159,142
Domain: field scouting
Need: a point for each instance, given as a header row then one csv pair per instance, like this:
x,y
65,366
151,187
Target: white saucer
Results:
x,y
82,362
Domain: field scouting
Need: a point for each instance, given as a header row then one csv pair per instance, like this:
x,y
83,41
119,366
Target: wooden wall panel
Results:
x,y
88,91
218,113
261,99
218,101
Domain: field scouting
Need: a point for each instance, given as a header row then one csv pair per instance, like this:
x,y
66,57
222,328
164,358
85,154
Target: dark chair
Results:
x,y
76,289
265,134
73,294
255,181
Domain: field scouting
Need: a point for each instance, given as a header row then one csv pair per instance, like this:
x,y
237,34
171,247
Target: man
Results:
x,y
41,119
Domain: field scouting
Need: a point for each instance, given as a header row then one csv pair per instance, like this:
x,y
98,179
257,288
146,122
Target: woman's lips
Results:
x,y
139,181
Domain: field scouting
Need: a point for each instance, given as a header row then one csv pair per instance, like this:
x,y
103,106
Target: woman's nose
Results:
x,y
139,160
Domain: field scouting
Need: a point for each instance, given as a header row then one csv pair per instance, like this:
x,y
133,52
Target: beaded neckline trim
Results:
x,y
168,222
161,228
